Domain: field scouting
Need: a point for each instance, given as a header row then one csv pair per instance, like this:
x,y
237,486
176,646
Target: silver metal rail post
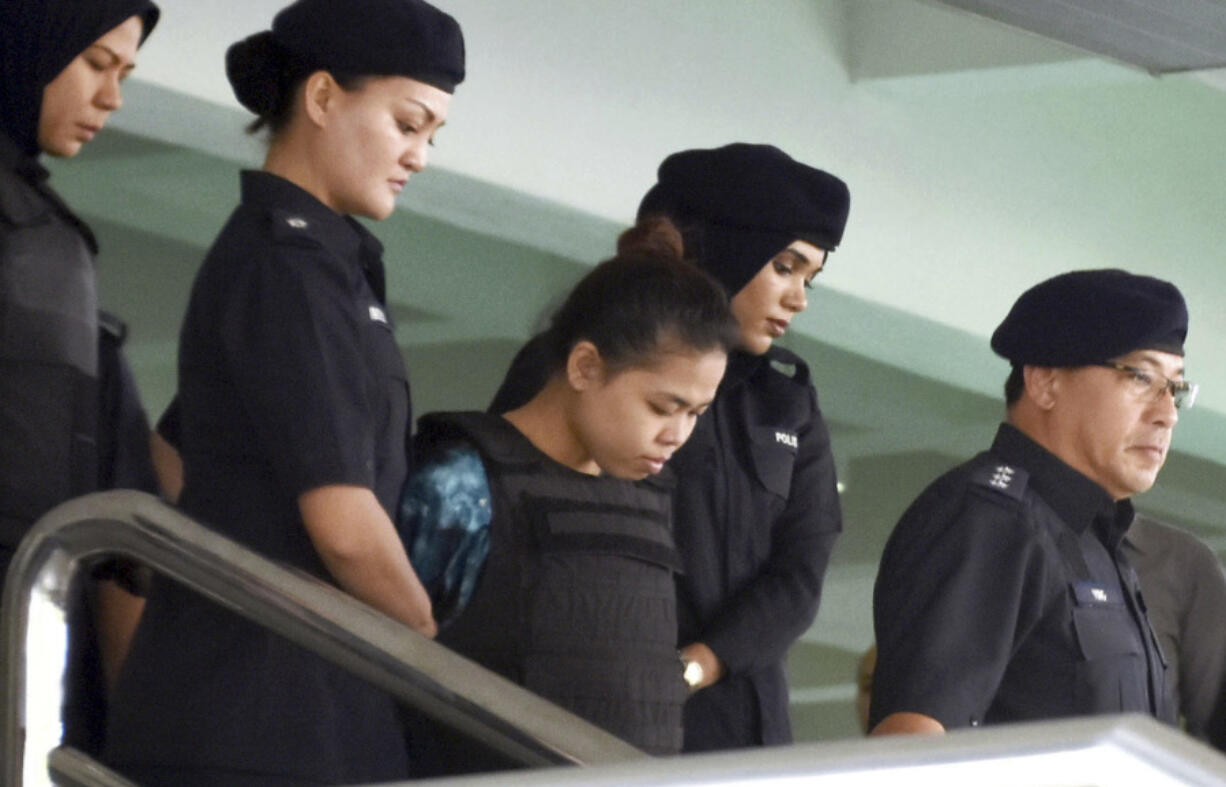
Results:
x,y
418,671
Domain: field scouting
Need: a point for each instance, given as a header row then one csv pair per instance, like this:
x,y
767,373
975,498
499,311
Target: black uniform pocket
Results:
x,y
391,407
1111,677
602,626
773,451
390,376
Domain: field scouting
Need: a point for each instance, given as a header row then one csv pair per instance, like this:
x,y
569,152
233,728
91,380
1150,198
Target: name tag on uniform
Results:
x,y
1092,593
378,315
786,438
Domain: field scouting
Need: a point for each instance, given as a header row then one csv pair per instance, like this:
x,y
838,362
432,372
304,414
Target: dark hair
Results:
x,y
649,294
266,76
1014,385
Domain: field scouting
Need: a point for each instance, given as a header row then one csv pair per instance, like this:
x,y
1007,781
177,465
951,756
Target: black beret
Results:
x,y
356,37
1088,317
742,204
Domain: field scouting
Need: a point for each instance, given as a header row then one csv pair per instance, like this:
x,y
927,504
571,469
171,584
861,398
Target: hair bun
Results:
x,y
254,66
654,236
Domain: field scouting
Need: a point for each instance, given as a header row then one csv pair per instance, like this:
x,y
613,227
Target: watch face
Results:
x,y
693,673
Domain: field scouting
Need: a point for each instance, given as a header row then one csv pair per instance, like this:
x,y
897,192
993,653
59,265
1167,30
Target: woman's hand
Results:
x,y
712,668
358,544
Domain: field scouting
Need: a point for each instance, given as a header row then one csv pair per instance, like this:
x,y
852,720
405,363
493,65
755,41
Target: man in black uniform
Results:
x,y
1003,593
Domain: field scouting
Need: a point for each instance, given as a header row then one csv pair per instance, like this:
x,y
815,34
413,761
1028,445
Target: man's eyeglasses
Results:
x,y
1147,384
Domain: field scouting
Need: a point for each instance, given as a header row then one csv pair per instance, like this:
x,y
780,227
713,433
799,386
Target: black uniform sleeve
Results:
x,y
124,458
757,625
43,393
961,580
291,342
169,425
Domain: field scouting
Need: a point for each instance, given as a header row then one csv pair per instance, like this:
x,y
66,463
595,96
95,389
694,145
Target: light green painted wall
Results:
x,y
971,179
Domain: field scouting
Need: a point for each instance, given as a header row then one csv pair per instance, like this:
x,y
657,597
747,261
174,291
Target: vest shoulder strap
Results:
x,y
495,437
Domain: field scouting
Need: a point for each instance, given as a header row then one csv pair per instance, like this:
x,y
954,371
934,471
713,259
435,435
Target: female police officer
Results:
x,y
294,406
61,64
756,509
61,68
756,512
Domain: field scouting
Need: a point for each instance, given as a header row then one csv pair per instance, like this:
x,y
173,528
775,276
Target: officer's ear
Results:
x,y
1041,384
585,368
319,93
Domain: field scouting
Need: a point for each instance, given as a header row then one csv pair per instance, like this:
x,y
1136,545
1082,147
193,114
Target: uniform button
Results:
x,y
297,223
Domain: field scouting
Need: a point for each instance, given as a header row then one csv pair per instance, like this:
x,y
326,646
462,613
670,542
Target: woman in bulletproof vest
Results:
x,y
61,68
62,65
756,511
543,535
294,408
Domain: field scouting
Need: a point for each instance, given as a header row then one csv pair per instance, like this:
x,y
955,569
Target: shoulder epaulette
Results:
x,y
1001,478
291,229
112,326
493,434
789,364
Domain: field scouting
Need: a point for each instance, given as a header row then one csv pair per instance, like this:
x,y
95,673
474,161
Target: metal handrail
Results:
x,y
411,667
71,768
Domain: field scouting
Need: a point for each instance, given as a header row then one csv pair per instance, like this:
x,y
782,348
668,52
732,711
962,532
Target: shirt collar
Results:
x,y
341,235
740,366
12,157
36,176
743,365
1076,499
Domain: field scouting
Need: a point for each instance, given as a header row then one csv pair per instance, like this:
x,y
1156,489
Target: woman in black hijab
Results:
x,y
756,510
61,63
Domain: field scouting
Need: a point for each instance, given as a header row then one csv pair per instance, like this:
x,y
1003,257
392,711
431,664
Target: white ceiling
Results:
x,y
1159,36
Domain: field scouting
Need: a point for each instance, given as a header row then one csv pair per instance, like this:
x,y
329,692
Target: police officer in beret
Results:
x,y
1004,593
293,407
755,512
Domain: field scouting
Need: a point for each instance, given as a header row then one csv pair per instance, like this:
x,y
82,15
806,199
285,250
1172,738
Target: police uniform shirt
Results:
x,y
1003,595
290,376
289,379
756,515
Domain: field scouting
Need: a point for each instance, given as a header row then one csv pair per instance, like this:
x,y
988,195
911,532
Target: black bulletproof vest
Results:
x,y
48,348
576,601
